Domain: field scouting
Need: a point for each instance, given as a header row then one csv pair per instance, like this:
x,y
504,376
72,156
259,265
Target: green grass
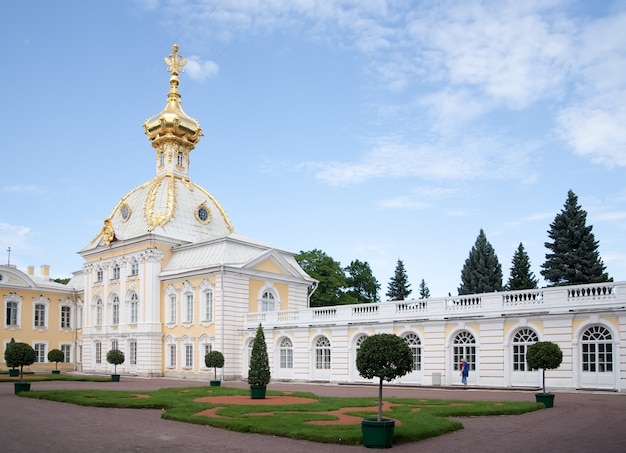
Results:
x,y
415,419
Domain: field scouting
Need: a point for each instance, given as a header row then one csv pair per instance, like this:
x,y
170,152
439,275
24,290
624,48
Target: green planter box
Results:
x,y
378,434
546,398
216,383
14,373
115,377
21,387
257,392
56,371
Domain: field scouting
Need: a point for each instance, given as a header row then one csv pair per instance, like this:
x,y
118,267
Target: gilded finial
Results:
x,y
176,61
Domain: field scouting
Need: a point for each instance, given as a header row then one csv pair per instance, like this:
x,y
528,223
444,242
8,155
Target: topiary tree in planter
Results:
x,y
386,356
13,371
20,355
215,360
115,357
544,355
259,370
56,356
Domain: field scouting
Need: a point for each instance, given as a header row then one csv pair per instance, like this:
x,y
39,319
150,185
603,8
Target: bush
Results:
x,y
20,355
56,355
115,357
259,371
544,355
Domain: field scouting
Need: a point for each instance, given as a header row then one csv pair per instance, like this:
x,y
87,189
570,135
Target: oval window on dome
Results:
x,y
203,214
125,212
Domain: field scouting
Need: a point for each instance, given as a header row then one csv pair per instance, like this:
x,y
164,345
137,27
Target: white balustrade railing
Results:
x,y
509,303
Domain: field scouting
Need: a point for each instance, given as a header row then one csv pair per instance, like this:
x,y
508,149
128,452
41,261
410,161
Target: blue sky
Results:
x,y
370,129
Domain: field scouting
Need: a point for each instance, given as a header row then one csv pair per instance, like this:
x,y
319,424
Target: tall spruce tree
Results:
x,y
573,257
521,275
423,290
482,272
398,287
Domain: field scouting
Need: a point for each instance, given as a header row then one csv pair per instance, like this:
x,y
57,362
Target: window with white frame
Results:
x,y
322,354
79,317
98,312
171,309
286,353
179,160
12,318
115,310
415,344
207,306
464,347
173,351
40,315
268,301
66,349
116,271
134,308
188,356
132,352
597,350
97,352
134,267
189,308
521,340
114,345
66,317
99,275
40,352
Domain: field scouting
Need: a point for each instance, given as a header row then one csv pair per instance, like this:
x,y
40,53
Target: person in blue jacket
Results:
x,y
464,371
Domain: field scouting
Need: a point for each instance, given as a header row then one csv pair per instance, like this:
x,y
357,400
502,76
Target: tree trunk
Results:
x,y
380,400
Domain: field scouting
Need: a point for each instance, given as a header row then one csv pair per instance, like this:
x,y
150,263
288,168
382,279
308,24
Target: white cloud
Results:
x,y
23,188
200,70
15,236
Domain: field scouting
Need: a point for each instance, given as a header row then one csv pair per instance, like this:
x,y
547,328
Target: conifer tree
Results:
x,y
521,275
482,272
399,287
573,257
424,291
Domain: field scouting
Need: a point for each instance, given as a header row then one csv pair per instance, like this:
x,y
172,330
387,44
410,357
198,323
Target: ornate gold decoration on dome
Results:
x,y
125,211
221,210
154,219
108,235
203,213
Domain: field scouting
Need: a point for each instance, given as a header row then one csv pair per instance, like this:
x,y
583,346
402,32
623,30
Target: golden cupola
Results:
x,y
172,132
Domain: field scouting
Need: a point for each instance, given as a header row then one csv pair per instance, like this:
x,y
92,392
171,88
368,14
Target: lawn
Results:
x,y
232,409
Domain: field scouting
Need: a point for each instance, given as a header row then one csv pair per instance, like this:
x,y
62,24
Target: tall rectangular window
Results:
x,y
188,356
134,308
172,309
40,352
116,312
40,315
208,307
12,314
66,317
172,355
98,352
189,309
132,346
114,344
66,349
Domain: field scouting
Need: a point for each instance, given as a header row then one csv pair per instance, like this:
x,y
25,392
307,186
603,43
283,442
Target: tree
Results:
x,y
215,360
330,275
259,370
19,355
361,283
521,275
115,357
56,356
385,356
398,287
544,355
482,273
573,256
424,291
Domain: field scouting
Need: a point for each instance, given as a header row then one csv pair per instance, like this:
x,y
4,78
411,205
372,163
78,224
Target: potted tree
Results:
x,y
56,356
20,355
115,357
544,355
386,356
259,371
215,360
13,371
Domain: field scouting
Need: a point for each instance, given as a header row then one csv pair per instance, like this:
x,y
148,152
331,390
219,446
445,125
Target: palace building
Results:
x,y
168,279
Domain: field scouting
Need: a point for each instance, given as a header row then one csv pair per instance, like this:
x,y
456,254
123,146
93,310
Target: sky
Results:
x,y
369,129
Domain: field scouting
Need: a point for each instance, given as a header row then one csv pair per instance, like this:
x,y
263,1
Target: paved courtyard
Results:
x,y
579,422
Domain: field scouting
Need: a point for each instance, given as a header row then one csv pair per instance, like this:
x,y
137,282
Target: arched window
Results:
x,y
115,310
322,354
464,346
133,308
286,353
415,344
268,301
98,313
597,350
522,339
